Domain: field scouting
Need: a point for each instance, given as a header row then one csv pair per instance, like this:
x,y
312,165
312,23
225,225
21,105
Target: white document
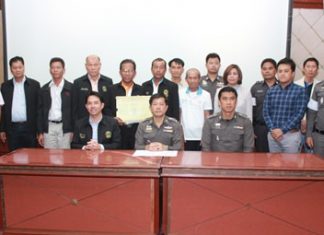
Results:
x,y
147,153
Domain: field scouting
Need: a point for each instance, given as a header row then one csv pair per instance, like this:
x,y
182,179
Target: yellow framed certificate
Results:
x,y
133,109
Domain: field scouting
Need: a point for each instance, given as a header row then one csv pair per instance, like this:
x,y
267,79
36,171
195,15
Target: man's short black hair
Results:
x,y
226,89
94,93
57,59
16,59
213,55
177,61
158,96
313,59
269,60
127,61
289,62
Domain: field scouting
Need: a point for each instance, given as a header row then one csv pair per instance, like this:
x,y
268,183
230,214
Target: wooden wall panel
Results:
x,y
310,4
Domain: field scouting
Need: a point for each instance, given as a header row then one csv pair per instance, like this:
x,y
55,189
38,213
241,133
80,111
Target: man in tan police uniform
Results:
x,y
227,131
159,132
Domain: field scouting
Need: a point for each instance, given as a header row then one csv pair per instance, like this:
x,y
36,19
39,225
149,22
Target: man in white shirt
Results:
x,y
308,81
19,113
54,124
195,105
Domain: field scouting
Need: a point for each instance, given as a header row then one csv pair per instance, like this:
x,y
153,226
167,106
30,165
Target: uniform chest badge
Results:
x,y
259,91
166,92
217,125
238,127
82,135
148,128
84,89
147,93
204,83
104,88
108,134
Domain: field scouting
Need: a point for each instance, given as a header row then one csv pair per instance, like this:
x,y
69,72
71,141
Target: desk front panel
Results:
x,y
241,193
80,204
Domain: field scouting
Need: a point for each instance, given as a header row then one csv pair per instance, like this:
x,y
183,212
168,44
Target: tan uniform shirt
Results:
x,y
235,135
169,133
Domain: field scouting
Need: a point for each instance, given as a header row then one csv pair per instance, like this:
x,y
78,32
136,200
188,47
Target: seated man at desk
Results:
x,y
159,132
96,131
227,131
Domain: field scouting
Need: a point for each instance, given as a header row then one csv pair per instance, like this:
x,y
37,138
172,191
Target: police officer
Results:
x,y
258,92
228,131
159,132
315,120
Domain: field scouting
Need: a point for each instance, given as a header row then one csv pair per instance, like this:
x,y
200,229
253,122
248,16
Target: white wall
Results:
x,y
242,32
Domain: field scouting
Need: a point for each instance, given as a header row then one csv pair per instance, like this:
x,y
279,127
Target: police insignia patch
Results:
x,y
104,89
108,134
166,92
82,135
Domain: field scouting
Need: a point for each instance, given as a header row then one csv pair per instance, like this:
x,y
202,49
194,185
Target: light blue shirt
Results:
x,y
18,111
94,126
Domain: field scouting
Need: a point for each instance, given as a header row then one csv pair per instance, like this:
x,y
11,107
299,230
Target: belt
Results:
x,y
319,131
18,123
56,122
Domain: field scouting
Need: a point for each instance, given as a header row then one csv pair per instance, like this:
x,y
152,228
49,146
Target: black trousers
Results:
x,y
20,136
128,136
261,139
192,145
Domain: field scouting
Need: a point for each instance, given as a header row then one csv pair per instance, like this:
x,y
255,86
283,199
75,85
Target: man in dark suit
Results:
x,y
54,119
97,131
126,87
159,84
19,114
92,81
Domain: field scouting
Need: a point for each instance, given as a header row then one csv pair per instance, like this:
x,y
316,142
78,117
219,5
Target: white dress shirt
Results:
x,y
18,111
55,112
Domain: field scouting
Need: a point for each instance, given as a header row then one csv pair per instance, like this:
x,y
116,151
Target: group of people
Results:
x,y
208,113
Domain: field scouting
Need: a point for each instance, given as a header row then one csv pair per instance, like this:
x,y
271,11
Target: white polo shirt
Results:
x,y
193,105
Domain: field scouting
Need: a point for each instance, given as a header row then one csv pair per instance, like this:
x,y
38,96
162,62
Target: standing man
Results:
x,y
159,84
315,120
308,82
176,68
227,131
126,87
159,132
92,81
258,92
195,105
19,113
284,107
54,124
96,131
212,81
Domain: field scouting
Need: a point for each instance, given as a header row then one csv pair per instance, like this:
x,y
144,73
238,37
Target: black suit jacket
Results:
x,y
108,133
170,90
45,103
82,87
31,87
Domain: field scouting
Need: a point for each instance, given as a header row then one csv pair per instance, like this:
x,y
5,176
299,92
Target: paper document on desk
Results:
x,y
133,109
147,153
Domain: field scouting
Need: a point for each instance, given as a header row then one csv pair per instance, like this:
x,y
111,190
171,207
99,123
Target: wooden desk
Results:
x,y
79,192
252,193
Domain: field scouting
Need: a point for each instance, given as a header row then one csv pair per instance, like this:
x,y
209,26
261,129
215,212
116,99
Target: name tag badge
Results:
x,y
238,127
84,89
217,125
148,128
